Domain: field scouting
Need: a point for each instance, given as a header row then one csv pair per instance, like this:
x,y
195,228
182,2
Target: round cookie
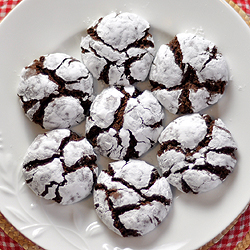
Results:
x,y
188,74
196,153
118,49
60,166
131,198
124,123
56,91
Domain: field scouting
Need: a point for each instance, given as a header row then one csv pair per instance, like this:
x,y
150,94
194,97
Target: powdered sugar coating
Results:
x,y
124,123
118,49
131,198
197,153
56,91
63,112
60,166
188,74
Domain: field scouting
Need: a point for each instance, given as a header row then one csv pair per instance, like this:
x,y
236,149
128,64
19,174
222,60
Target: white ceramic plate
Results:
x,y
39,27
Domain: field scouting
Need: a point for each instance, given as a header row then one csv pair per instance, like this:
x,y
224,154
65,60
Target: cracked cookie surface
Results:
x,y
131,198
124,123
60,166
188,74
56,91
118,49
196,153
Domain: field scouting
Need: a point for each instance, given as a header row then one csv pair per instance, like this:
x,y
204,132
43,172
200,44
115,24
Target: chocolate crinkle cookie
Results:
x,y
131,198
56,91
196,153
59,165
188,74
124,123
118,49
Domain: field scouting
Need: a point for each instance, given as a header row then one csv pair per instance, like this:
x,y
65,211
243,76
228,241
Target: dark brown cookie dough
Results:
x,y
56,91
188,74
131,198
124,123
118,49
197,153
60,166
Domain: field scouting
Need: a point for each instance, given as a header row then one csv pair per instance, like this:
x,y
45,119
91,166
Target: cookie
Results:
x,y
188,74
124,123
56,91
59,165
118,49
131,198
196,153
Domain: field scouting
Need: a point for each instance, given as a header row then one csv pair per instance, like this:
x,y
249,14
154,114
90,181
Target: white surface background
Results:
x,y
35,28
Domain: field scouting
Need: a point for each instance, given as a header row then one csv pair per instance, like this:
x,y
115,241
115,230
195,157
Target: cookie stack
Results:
x,y
123,123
